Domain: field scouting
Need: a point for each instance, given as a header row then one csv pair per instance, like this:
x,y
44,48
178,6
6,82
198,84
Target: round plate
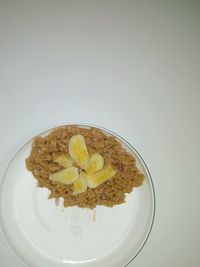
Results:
x,y
43,234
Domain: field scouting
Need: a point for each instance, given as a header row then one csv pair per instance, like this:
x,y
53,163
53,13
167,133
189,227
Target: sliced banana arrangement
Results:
x,y
90,171
64,161
66,176
95,164
80,185
100,177
78,150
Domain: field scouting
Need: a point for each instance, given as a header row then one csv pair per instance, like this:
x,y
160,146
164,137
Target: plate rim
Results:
x,y
3,175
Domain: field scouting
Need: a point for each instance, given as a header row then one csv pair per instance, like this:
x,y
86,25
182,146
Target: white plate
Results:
x,y
42,234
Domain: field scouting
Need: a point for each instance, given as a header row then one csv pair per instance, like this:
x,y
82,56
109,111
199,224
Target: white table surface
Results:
x,y
130,66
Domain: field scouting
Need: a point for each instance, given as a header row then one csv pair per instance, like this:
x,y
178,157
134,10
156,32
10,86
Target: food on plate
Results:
x,y
78,150
64,161
80,185
95,163
100,177
84,166
66,176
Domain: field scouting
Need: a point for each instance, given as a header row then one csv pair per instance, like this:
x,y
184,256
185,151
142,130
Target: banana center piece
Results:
x,y
92,172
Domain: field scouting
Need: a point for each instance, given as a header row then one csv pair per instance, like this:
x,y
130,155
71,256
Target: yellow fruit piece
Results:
x,y
95,164
98,178
80,185
78,150
64,161
66,176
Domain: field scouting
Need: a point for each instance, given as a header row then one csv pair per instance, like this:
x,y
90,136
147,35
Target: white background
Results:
x,y
130,66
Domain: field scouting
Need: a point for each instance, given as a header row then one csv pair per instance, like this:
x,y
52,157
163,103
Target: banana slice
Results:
x,y
95,164
98,178
80,185
64,161
78,150
66,176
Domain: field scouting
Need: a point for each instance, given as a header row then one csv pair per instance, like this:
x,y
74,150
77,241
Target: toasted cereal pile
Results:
x,y
112,192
